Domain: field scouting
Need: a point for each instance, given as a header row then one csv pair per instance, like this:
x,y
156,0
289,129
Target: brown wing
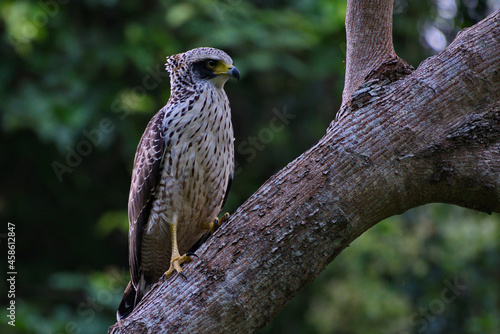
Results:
x,y
145,179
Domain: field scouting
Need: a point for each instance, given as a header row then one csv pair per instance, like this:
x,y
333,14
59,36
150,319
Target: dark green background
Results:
x,y
73,70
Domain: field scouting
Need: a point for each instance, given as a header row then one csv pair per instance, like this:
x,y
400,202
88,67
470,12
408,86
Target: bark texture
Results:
x,y
369,40
404,139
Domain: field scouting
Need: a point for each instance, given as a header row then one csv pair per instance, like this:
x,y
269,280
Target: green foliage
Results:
x,y
79,82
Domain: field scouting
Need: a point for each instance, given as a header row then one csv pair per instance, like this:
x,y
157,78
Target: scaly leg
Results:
x,y
176,259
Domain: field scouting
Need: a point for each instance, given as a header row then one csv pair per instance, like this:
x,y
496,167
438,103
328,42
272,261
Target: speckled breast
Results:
x,y
199,161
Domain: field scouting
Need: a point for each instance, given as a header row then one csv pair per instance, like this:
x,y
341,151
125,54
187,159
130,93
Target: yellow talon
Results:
x,y
225,217
175,264
213,226
176,259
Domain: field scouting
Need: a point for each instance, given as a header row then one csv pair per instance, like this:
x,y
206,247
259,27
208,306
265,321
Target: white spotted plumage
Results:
x,y
182,170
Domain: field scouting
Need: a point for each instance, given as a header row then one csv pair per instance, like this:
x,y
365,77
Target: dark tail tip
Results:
x,y
128,302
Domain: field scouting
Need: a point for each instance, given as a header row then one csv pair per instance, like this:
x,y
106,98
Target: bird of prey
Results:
x,y
182,171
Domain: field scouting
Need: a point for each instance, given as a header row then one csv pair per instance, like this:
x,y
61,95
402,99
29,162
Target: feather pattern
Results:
x,y
182,171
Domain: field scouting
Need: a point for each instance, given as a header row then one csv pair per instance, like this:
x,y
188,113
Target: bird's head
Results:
x,y
201,64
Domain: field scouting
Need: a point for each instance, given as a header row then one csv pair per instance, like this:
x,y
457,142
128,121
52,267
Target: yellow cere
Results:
x,y
222,67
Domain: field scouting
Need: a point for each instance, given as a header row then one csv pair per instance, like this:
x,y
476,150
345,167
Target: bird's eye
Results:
x,y
211,64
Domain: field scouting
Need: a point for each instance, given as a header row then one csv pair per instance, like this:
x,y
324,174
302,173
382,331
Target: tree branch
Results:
x,y
432,136
369,40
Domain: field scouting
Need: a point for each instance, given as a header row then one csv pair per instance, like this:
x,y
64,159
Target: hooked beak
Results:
x,y
225,69
233,72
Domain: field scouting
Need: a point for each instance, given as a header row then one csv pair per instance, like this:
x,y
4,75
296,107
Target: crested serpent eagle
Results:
x,y
182,171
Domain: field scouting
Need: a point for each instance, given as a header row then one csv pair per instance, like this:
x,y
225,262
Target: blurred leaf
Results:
x,y
112,220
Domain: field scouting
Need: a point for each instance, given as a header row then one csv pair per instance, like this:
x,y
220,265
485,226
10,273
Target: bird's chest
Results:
x,y
198,161
201,151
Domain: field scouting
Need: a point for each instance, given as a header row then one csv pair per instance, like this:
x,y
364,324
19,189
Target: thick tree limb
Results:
x,y
432,136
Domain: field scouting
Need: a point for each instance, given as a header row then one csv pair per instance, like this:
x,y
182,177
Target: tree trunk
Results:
x,y
401,140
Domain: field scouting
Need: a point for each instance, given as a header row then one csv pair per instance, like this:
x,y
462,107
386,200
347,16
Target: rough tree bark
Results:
x,y
369,41
402,139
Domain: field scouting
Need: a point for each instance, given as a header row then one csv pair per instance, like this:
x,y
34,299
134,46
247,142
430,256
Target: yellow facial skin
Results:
x,y
222,71
221,68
